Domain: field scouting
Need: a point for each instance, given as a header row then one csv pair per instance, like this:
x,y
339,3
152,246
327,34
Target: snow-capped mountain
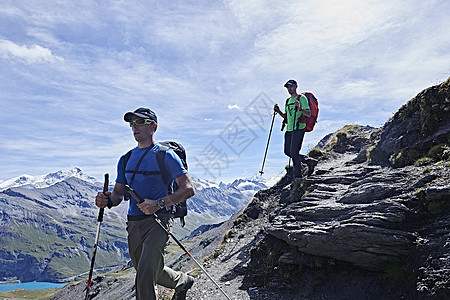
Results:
x,y
201,184
42,181
48,222
223,199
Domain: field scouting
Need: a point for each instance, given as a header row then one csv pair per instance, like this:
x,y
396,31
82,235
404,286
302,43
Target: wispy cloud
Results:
x,y
68,78
28,54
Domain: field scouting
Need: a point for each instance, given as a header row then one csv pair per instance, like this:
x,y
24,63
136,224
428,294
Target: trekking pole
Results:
x,y
140,200
267,146
99,219
283,125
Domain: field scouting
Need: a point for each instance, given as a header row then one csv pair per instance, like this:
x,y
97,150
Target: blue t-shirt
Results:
x,y
148,186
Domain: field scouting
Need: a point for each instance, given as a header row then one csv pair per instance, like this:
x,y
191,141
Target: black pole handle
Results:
x,y
134,194
105,189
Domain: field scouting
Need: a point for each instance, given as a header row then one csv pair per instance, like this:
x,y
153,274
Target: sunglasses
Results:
x,y
140,122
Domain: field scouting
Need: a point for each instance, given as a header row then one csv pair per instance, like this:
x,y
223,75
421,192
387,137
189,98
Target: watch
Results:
x,y
161,203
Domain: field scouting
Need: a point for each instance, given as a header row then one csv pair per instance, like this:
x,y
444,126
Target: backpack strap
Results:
x,y
161,159
296,109
295,115
126,157
125,161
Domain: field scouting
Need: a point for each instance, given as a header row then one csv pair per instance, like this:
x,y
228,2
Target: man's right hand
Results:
x,y
276,109
101,200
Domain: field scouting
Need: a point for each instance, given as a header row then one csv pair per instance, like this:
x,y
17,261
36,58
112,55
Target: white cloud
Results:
x,y
357,89
256,15
33,54
234,106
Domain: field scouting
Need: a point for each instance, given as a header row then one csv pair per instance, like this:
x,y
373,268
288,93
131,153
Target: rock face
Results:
x,y
372,222
354,219
418,126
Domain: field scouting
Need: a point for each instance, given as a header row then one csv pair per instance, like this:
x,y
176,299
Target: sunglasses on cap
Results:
x,y
140,122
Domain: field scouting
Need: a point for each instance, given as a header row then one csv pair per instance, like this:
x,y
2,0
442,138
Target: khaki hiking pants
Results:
x,y
146,242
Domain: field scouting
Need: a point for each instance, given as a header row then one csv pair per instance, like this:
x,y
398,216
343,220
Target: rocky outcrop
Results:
x,y
416,129
357,218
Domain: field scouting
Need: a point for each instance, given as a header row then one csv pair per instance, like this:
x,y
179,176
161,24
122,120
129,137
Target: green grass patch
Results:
x,y
423,161
213,255
42,294
439,152
195,272
237,221
227,235
426,170
315,153
404,157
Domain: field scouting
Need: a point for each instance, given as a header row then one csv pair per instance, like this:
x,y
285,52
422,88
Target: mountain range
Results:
x,y
42,181
48,223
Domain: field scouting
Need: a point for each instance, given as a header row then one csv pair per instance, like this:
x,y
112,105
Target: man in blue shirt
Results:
x,y
146,239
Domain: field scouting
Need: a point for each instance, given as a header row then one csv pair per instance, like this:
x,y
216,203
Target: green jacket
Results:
x,y
293,114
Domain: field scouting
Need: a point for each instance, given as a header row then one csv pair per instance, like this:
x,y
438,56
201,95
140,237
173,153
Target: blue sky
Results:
x,y
211,70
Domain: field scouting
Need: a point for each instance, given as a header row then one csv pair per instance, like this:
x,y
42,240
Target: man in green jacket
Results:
x,y
296,106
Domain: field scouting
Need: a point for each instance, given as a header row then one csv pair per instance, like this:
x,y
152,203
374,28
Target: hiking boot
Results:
x,y
296,181
311,163
181,295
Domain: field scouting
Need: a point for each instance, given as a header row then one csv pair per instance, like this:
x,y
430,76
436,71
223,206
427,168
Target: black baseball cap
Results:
x,y
290,82
145,113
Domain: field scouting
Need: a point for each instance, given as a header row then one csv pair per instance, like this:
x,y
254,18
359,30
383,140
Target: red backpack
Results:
x,y
313,106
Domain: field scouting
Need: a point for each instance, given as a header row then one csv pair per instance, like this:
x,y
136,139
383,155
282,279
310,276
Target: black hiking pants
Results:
x,y
292,144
